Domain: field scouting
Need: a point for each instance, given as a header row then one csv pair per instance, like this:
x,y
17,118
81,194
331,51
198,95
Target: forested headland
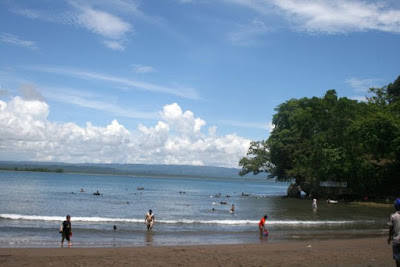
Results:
x,y
334,139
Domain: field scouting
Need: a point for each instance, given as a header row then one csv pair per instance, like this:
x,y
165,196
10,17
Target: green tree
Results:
x,y
336,139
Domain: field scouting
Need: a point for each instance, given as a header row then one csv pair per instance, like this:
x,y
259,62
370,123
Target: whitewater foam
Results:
x,y
182,221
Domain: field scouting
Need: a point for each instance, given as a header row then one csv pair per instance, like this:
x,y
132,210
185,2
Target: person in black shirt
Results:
x,y
66,231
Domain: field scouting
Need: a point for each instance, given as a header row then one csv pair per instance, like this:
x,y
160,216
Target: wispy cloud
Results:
x,y
15,40
331,17
114,45
111,20
254,125
101,22
140,69
80,14
362,85
88,100
248,34
184,92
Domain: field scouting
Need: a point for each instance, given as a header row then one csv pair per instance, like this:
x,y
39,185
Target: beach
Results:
x,y
193,228
344,252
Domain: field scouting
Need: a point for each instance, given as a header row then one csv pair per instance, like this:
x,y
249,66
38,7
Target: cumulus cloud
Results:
x,y
26,133
332,17
183,122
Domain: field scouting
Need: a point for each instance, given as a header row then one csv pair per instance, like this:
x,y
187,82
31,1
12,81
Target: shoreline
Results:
x,y
343,252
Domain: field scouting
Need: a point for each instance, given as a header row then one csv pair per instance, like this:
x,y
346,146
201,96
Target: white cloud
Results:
x,y
114,45
29,13
361,86
140,69
26,133
248,34
183,122
257,125
113,28
102,103
15,40
332,17
359,98
103,23
177,91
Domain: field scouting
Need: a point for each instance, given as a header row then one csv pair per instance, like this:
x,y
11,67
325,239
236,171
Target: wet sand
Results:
x,y
352,252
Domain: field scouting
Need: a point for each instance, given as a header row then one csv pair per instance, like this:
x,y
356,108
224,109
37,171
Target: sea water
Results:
x,y
187,211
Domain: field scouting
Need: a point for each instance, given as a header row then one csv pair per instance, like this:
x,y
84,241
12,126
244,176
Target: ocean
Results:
x,y
188,211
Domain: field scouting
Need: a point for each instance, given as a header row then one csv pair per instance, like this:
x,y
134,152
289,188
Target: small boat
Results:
x,y
140,188
332,201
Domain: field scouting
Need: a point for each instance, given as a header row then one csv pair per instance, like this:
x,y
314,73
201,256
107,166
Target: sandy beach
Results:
x,y
352,252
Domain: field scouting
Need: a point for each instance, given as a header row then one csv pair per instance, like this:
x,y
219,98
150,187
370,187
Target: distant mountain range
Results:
x,y
129,169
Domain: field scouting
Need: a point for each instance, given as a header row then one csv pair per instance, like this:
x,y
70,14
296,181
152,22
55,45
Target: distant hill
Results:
x,y
128,169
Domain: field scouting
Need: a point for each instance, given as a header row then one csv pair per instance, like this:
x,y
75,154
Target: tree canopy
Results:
x,y
334,139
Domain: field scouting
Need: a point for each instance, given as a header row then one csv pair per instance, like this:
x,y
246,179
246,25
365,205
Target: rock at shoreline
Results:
x,y
294,190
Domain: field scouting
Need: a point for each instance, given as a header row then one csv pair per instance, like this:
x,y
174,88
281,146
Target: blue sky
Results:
x,y
177,81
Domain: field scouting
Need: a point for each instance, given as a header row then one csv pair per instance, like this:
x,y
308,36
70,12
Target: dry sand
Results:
x,y
353,252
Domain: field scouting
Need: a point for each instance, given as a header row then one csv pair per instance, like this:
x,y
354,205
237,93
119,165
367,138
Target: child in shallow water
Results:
x,y
261,225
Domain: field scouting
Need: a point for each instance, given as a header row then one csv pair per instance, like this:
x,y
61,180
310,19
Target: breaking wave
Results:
x,y
181,221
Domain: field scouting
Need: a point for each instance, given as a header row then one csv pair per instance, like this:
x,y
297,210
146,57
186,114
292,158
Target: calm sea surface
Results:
x,y
33,205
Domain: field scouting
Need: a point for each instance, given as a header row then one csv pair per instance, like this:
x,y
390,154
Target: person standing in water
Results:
x,y
149,220
261,225
66,231
394,232
314,203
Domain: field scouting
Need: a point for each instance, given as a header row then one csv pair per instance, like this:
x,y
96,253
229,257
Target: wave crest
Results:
x,y
182,221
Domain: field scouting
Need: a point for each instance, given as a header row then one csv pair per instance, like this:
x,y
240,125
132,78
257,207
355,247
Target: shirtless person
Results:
x,y
149,220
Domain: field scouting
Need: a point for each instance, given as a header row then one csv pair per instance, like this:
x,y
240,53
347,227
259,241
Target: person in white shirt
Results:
x,y
314,203
394,232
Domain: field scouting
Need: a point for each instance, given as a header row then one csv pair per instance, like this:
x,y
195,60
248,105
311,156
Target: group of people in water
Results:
x,y
66,228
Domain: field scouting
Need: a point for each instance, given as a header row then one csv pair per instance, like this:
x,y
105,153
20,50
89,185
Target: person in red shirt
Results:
x,y
261,224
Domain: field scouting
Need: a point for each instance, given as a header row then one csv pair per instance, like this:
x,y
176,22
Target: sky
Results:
x,y
177,81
